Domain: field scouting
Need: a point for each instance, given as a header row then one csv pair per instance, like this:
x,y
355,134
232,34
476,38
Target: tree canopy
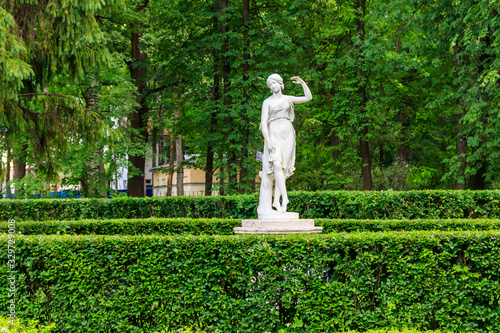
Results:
x,y
406,93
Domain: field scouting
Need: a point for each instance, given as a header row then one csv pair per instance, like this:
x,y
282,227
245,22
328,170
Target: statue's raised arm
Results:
x,y
307,92
278,161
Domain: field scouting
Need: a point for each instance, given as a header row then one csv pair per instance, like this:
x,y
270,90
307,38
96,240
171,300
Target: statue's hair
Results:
x,y
276,77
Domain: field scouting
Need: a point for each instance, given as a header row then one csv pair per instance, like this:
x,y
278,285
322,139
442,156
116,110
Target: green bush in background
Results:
x,y
325,204
321,283
182,226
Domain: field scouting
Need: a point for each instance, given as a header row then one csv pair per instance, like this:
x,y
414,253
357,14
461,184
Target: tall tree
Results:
x,y
364,148
136,186
58,41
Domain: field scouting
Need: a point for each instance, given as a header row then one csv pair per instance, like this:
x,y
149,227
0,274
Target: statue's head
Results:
x,y
277,78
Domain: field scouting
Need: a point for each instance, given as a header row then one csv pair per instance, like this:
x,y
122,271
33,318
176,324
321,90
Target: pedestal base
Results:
x,y
278,226
275,215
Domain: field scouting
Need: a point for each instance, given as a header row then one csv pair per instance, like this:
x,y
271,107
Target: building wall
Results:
x,y
194,183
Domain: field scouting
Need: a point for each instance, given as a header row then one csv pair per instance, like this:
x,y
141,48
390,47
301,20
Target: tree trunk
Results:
x,y
161,149
403,153
244,181
136,186
209,166
164,146
461,142
226,71
477,181
381,155
116,176
93,183
20,169
92,94
98,173
442,134
461,145
335,142
170,177
221,181
364,148
155,147
180,168
366,162
7,176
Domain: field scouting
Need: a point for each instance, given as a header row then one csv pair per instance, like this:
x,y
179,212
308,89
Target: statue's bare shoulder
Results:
x,y
271,102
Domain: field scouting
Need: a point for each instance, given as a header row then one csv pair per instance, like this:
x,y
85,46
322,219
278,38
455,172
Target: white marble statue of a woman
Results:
x,y
278,160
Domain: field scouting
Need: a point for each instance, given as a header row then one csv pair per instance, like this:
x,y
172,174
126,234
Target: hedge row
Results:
x,y
150,226
319,283
394,330
291,330
326,204
180,226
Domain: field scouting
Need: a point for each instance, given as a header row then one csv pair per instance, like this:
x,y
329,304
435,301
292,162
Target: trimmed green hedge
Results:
x,y
326,204
394,330
180,226
330,226
319,283
151,226
382,330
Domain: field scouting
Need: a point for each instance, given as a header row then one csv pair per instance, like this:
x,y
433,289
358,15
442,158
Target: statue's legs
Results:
x,y
276,201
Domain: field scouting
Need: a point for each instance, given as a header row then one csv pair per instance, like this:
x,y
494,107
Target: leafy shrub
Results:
x,y
424,177
185,330
325,204
319,283
31,326
181,226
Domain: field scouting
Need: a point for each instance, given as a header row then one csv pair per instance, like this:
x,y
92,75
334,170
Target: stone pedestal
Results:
x,y
287,223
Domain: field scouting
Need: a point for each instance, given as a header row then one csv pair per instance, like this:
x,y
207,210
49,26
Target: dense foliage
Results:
x,y
325,204
24,326
173,226
406,93
336,282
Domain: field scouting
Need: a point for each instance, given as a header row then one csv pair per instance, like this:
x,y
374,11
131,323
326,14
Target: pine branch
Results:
x,y
44,94
165,86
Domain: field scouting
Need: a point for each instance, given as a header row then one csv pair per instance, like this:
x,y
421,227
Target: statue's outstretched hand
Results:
x,y
297,80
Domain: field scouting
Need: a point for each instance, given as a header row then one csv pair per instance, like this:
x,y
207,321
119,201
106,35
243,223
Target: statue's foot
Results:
x,y
276,205
283,207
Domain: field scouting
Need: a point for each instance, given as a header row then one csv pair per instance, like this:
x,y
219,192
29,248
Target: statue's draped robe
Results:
x,y
282,133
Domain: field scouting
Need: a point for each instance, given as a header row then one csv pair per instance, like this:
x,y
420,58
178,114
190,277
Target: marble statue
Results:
x,y
278,158
278,163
